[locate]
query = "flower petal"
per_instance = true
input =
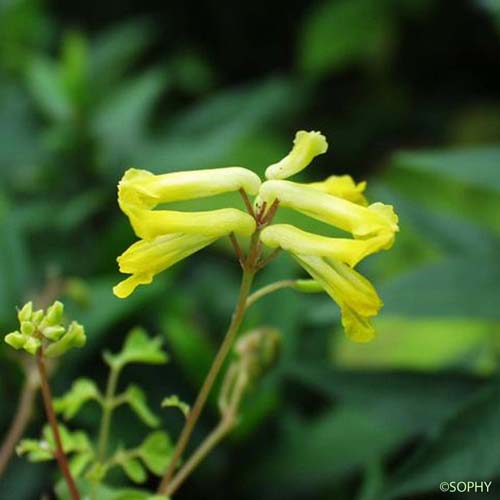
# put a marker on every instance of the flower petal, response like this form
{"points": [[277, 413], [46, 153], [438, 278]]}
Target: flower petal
{"points": [[306, 146], [148, 224], [355, 295], [361, 221], [294, 240], [144, 259], [344, 187], [146, 190]]}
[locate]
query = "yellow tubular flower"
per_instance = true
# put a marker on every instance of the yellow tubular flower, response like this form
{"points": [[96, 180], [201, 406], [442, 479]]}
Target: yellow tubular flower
{"points": [[296, 241], [306, 146], [361, 221], [344, 187], [169, 236], [146, 190], [356, 297], [150, 223], [144, 259]]}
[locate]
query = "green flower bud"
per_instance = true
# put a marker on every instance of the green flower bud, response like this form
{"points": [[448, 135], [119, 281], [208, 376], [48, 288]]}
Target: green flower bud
{"points": [[25, 313], [32, 345], [74, 337], [16, 339], [37, 317], [53, 332], [27, 328], [259, 350], [54, 313]]}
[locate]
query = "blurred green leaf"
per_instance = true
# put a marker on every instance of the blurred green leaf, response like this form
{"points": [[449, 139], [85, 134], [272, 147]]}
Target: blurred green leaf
{"points": [[461, 449], [134, 470], [81, 391], [104, 492], [456, 287], [113, 51], [337, 34], [427, 344], [321, 451], [47, 88], [207, 133], [74, 69], [44, 449], [190, 348], [413, 402], [121, 120], [139, 347], [475, 166], [156, 451], [174, 402], [136, 398]]}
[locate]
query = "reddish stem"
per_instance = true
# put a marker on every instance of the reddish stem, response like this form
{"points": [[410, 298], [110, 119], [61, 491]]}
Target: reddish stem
{"points": [[51, 417]]}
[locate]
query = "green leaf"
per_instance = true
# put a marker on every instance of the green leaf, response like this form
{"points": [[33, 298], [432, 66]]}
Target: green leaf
{"points": [[456, 287], [136, 398], [121, 119], [79, 462], [138, 348], [191, 349], [134, 470], [474, 166], [74, 68], [462, 449], [156, 451], [47, 88], [318, 452], [37, 451], [338, 34], [44, 449], [81, 391], [175, 402], [114, 50], [413, 402], [104, 492]]}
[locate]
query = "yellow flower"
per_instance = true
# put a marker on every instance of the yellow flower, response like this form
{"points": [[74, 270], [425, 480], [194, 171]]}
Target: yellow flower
{"points": [[169, 236], [306, 146], [339, 202], [343, 186], [355, 295]]}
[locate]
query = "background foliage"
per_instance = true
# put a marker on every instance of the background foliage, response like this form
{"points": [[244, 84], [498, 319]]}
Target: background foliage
{"points": [[408, 94]]}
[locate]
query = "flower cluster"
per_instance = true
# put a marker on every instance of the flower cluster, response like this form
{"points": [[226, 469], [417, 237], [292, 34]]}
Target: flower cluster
{"points": [[168, 236], [45, 328]]}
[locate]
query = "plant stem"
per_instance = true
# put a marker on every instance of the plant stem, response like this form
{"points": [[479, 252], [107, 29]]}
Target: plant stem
{"points": [[194, 414], [51, 417], [107, 411], [22, 416], [224, 427], [266, 290]]}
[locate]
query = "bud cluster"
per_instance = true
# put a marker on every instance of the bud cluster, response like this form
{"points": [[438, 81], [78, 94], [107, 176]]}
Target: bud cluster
{"points": [[37, 328]]}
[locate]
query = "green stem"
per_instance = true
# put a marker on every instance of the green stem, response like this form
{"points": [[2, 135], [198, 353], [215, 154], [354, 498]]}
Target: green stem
{"points": [[224, 427], [107, 411], [194, 414], [266, 290]]}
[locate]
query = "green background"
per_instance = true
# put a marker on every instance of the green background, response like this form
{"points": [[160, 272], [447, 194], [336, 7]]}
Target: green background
{"points": [[408, 94]]}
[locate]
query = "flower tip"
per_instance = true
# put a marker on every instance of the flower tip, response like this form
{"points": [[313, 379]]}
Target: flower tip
{"points": [[315, 141], [388, 213], [359, 329], [306, 146]]}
